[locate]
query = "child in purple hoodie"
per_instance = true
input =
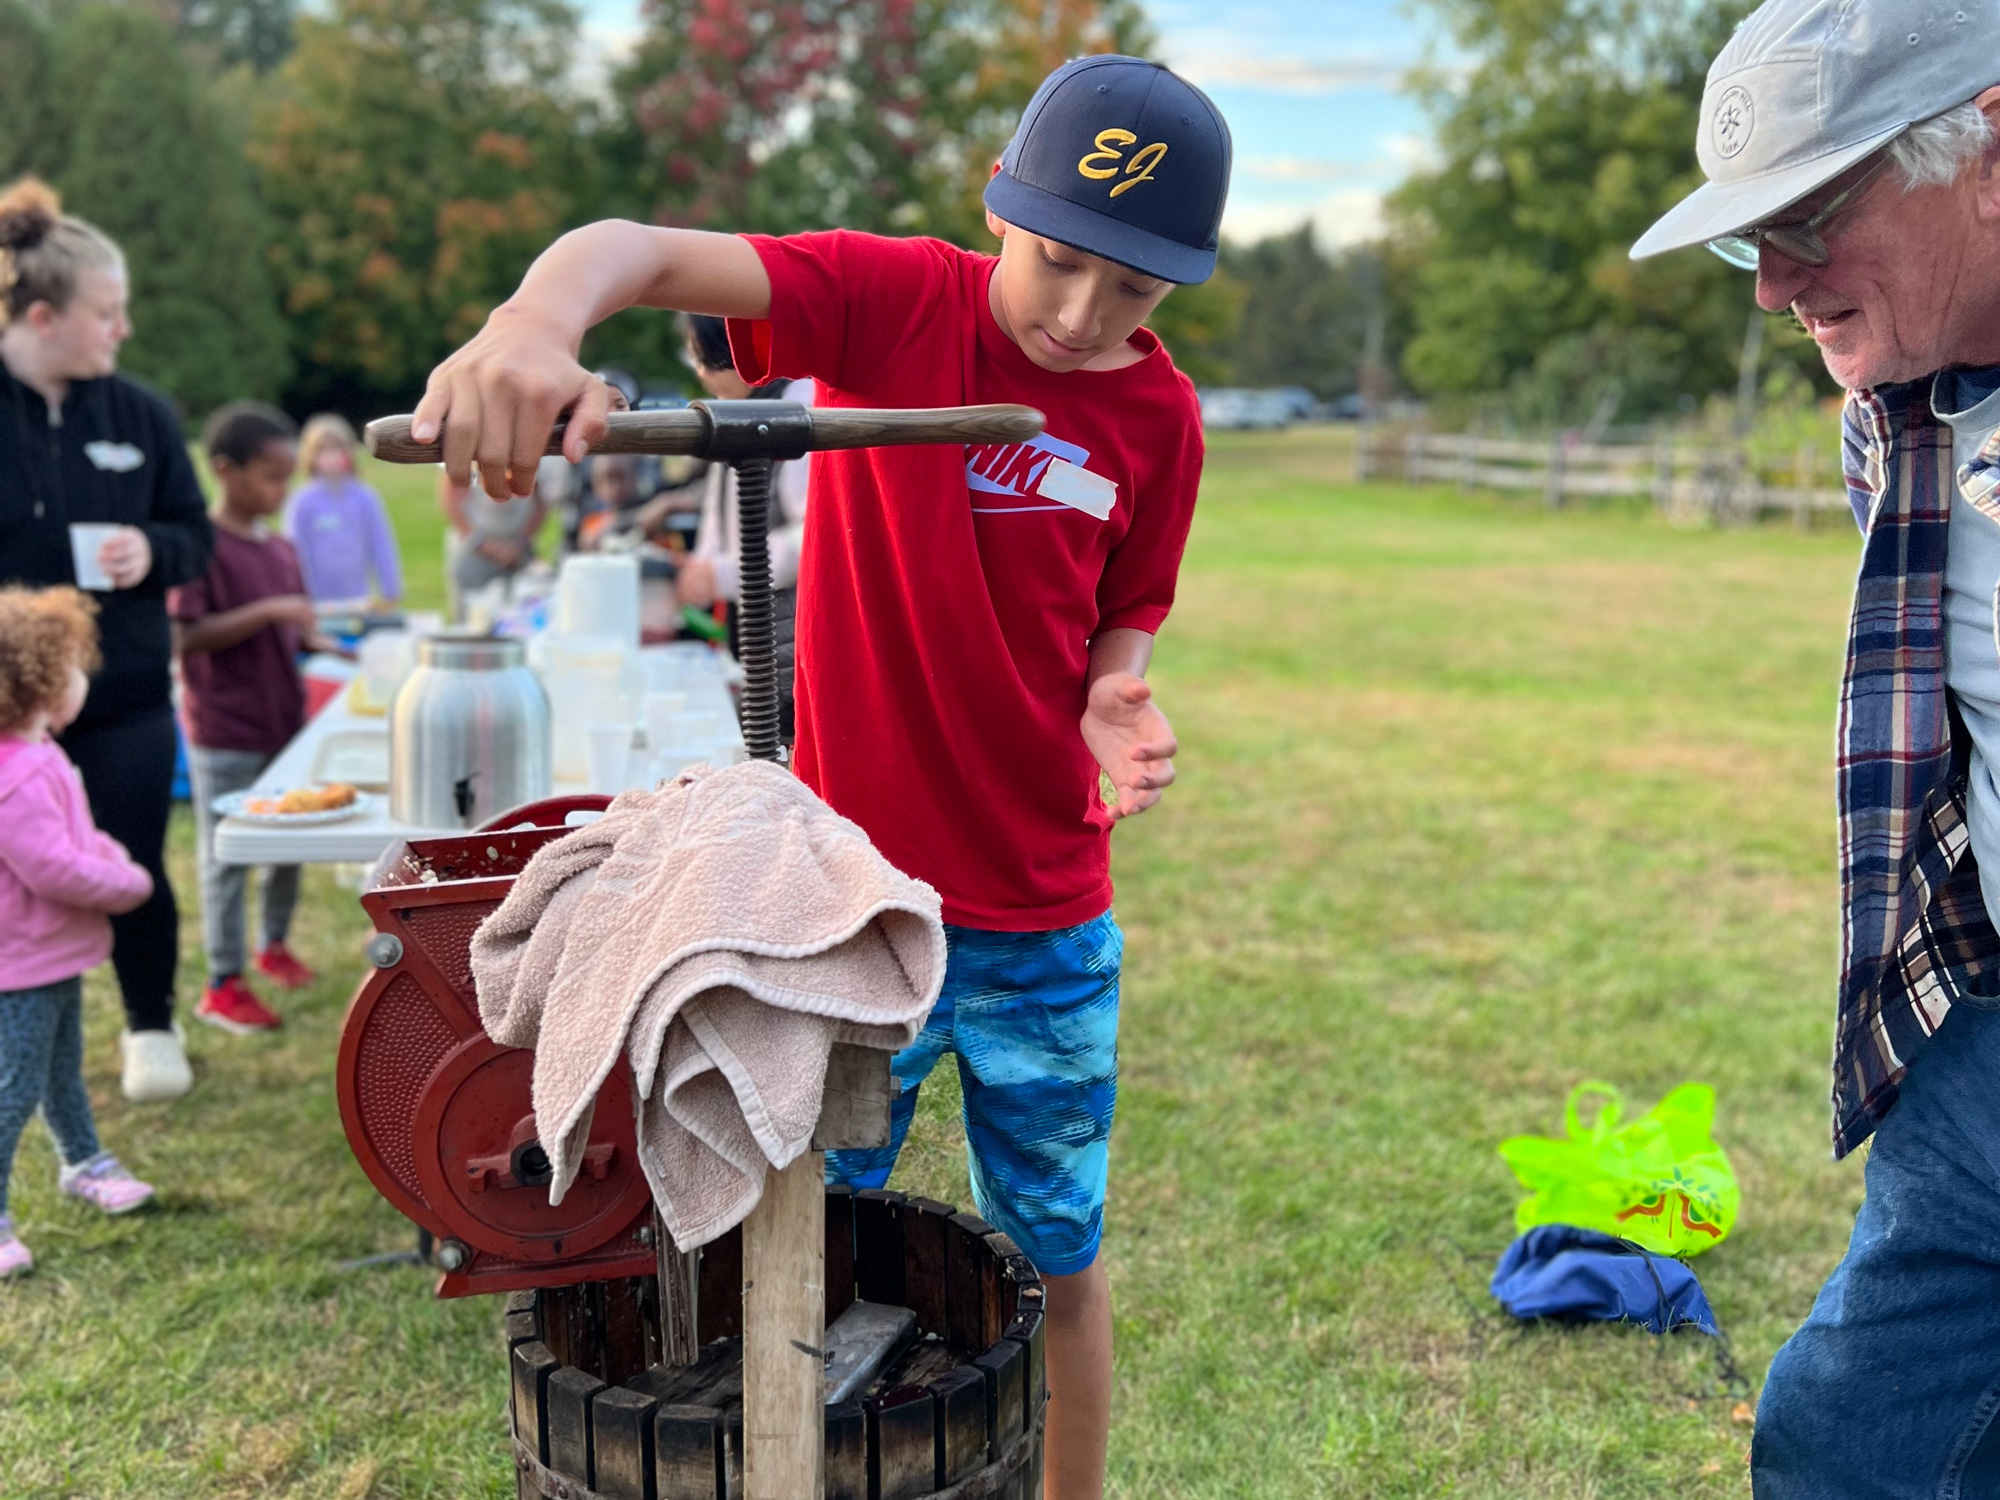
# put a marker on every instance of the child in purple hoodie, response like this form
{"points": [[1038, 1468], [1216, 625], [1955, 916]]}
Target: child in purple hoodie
{"points": [[59, 879]]}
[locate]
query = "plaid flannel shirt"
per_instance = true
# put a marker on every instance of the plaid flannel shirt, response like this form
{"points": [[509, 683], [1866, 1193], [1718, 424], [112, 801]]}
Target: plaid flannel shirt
{"points": [[1915, 936]]}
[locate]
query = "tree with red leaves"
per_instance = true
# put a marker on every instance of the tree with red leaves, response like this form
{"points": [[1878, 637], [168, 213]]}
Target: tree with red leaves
{"points": [[887, 115]]}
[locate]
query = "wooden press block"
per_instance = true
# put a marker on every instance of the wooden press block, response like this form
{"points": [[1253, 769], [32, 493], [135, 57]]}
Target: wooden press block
{"points": [[926, 1227], [521, 1302], [1004, 1368], [719, 1295], [621, 1444], [627, 1303], [902, 1444], [1026, 1330], [570, 1395], [687, 1453], [878, 1246], [846, 1452], [972, 1285], [854, 1111], [573, 1325], [532, 1364], [839, 1269], [959, 1414]]}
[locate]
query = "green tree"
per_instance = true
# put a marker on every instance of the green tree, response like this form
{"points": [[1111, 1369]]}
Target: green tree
{"points": [[416, 155], [250, 33], [25, 123], [1572, 130], [117, 119], [1305, 320]]}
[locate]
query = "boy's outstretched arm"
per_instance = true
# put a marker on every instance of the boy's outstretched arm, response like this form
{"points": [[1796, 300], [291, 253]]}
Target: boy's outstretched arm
{"points": [[1122, 725], [496, 399]]}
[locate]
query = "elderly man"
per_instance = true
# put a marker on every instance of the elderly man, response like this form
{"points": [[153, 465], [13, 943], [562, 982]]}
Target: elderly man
{"points": [[1851, 152]]}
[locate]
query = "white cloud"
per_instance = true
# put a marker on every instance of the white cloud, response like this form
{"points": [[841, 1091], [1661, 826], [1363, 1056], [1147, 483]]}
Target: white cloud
{"points": [[1342, 218]]}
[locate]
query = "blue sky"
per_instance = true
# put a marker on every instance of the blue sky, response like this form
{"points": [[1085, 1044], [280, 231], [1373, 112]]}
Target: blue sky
{"points": [[1310, 89]]}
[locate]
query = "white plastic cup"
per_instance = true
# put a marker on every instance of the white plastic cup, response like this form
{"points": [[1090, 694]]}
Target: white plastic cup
{"points": [[608, 751], [663, 711], [86, 540]]}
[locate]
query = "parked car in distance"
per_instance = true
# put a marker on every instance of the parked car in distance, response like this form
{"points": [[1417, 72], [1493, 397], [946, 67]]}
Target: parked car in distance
{"points": [[1229, 407]]}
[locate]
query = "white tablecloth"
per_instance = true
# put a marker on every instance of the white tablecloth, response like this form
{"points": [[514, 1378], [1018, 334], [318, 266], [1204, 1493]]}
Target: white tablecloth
{"points": [[366, 837]]}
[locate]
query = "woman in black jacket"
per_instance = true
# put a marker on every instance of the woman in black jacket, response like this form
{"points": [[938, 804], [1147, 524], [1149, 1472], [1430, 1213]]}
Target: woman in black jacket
{"points": [[80, 444]]}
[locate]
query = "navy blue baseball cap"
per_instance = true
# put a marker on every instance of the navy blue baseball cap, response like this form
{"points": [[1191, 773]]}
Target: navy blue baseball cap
{"points": [[1119, 157]]}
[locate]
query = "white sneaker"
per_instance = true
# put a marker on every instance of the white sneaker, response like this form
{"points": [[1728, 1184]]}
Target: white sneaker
{"points": [[156, 1067]]}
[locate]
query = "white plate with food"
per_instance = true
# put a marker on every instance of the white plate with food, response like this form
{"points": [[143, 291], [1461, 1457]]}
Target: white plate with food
{"points": [[300, 807]]}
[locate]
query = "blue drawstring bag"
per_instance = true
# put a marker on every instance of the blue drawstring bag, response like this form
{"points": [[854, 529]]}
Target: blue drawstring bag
{"points": [[1560, 1271]]}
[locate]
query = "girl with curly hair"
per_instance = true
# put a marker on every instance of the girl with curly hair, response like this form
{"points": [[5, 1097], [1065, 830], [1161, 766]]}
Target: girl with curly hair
{"points": [[60, 879]]}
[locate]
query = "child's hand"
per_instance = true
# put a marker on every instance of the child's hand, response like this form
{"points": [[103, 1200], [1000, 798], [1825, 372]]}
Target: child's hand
{"points": [[291, 609], [1131, 739], [496, 399]]}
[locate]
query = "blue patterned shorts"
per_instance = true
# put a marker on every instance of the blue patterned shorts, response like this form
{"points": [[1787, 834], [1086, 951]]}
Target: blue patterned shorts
{"points": [[1033, 1020]]}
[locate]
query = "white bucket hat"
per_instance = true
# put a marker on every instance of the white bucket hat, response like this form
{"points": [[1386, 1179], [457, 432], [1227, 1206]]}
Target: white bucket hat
{"points": [[1807, 88]]}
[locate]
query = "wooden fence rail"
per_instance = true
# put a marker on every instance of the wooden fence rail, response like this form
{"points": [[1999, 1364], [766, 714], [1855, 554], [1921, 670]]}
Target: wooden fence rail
{"points": [[1681, 477]]}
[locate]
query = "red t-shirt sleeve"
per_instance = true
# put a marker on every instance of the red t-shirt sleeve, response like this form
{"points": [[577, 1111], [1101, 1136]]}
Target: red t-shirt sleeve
{"points": [[842, 305], [1137, 587]]}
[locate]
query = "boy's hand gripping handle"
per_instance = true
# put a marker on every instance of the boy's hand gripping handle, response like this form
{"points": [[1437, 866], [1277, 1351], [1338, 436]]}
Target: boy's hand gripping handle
{"points": [[692, 430]]}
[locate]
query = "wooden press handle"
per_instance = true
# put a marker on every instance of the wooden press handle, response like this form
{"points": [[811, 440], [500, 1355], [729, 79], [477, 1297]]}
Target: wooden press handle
{"points": [[683, 431]]}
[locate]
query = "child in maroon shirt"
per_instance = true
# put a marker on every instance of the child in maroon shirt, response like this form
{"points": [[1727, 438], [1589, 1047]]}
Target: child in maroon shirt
{"points": [[974, 625], [239, 629]]}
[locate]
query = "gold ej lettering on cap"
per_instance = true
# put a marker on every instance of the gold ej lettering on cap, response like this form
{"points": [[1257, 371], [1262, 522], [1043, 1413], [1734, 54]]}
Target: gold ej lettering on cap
{"points": [[1104, 161]]}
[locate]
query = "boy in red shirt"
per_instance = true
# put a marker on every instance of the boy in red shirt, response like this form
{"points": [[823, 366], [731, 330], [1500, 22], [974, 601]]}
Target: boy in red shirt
{"points": [[974, 624]]}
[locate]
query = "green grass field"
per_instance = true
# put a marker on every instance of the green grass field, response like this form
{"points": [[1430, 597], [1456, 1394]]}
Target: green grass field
{"points": [[1476, 801]]}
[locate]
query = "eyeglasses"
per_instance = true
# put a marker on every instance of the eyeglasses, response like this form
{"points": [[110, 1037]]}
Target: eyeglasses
{"points": [[1802, 240]]}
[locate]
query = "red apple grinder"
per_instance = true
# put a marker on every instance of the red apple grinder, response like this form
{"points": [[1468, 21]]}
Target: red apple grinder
{"points": [[440, 1116]]}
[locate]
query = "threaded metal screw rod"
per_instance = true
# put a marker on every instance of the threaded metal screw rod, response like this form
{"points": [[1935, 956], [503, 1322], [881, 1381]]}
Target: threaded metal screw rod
{"points": [[756, 631]]}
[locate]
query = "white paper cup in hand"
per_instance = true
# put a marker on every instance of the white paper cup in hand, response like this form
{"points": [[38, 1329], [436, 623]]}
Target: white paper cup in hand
{"points": [[86, 540], [662, 710], [608, 748]]}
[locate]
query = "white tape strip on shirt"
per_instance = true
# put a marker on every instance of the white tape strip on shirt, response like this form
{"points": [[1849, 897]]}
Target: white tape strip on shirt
{"points": [[1080, 489]]}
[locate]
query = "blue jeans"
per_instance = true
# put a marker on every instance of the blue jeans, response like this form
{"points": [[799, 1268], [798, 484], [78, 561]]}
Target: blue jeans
{"points": [[1033, 1020], [41, 1064], [1890, 1387]]}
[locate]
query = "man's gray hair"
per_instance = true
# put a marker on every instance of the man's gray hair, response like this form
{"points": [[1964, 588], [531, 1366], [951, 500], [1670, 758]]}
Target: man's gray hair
{"points": [[1932, 153]]}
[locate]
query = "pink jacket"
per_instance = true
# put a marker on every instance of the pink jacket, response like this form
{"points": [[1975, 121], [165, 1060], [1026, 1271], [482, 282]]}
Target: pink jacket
{"points": [[58, 874]]}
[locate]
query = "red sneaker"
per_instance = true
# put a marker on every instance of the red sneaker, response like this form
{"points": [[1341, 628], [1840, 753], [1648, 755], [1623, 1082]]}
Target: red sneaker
{"points": [[233, 1007], [278, 964]]}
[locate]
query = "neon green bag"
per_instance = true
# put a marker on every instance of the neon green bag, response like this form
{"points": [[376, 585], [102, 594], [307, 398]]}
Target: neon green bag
{"points": [[1661, 1181]]}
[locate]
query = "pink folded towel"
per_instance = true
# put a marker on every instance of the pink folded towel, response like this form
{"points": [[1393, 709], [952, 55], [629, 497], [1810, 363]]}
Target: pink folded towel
{"points": [[723, 933]]}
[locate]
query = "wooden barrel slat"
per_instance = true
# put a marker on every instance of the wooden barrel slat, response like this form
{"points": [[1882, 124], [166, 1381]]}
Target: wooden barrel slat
{"points": [[959, 1436], [533, 1364], [839, 1251], [719, 1300], [1004, 1370], [1026, 1331], [846, 1452], [687, 1453], [902, 1444], [621, 1444], [570, 1393], [878, 1247], [972, 1280], [926, 1241]]}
